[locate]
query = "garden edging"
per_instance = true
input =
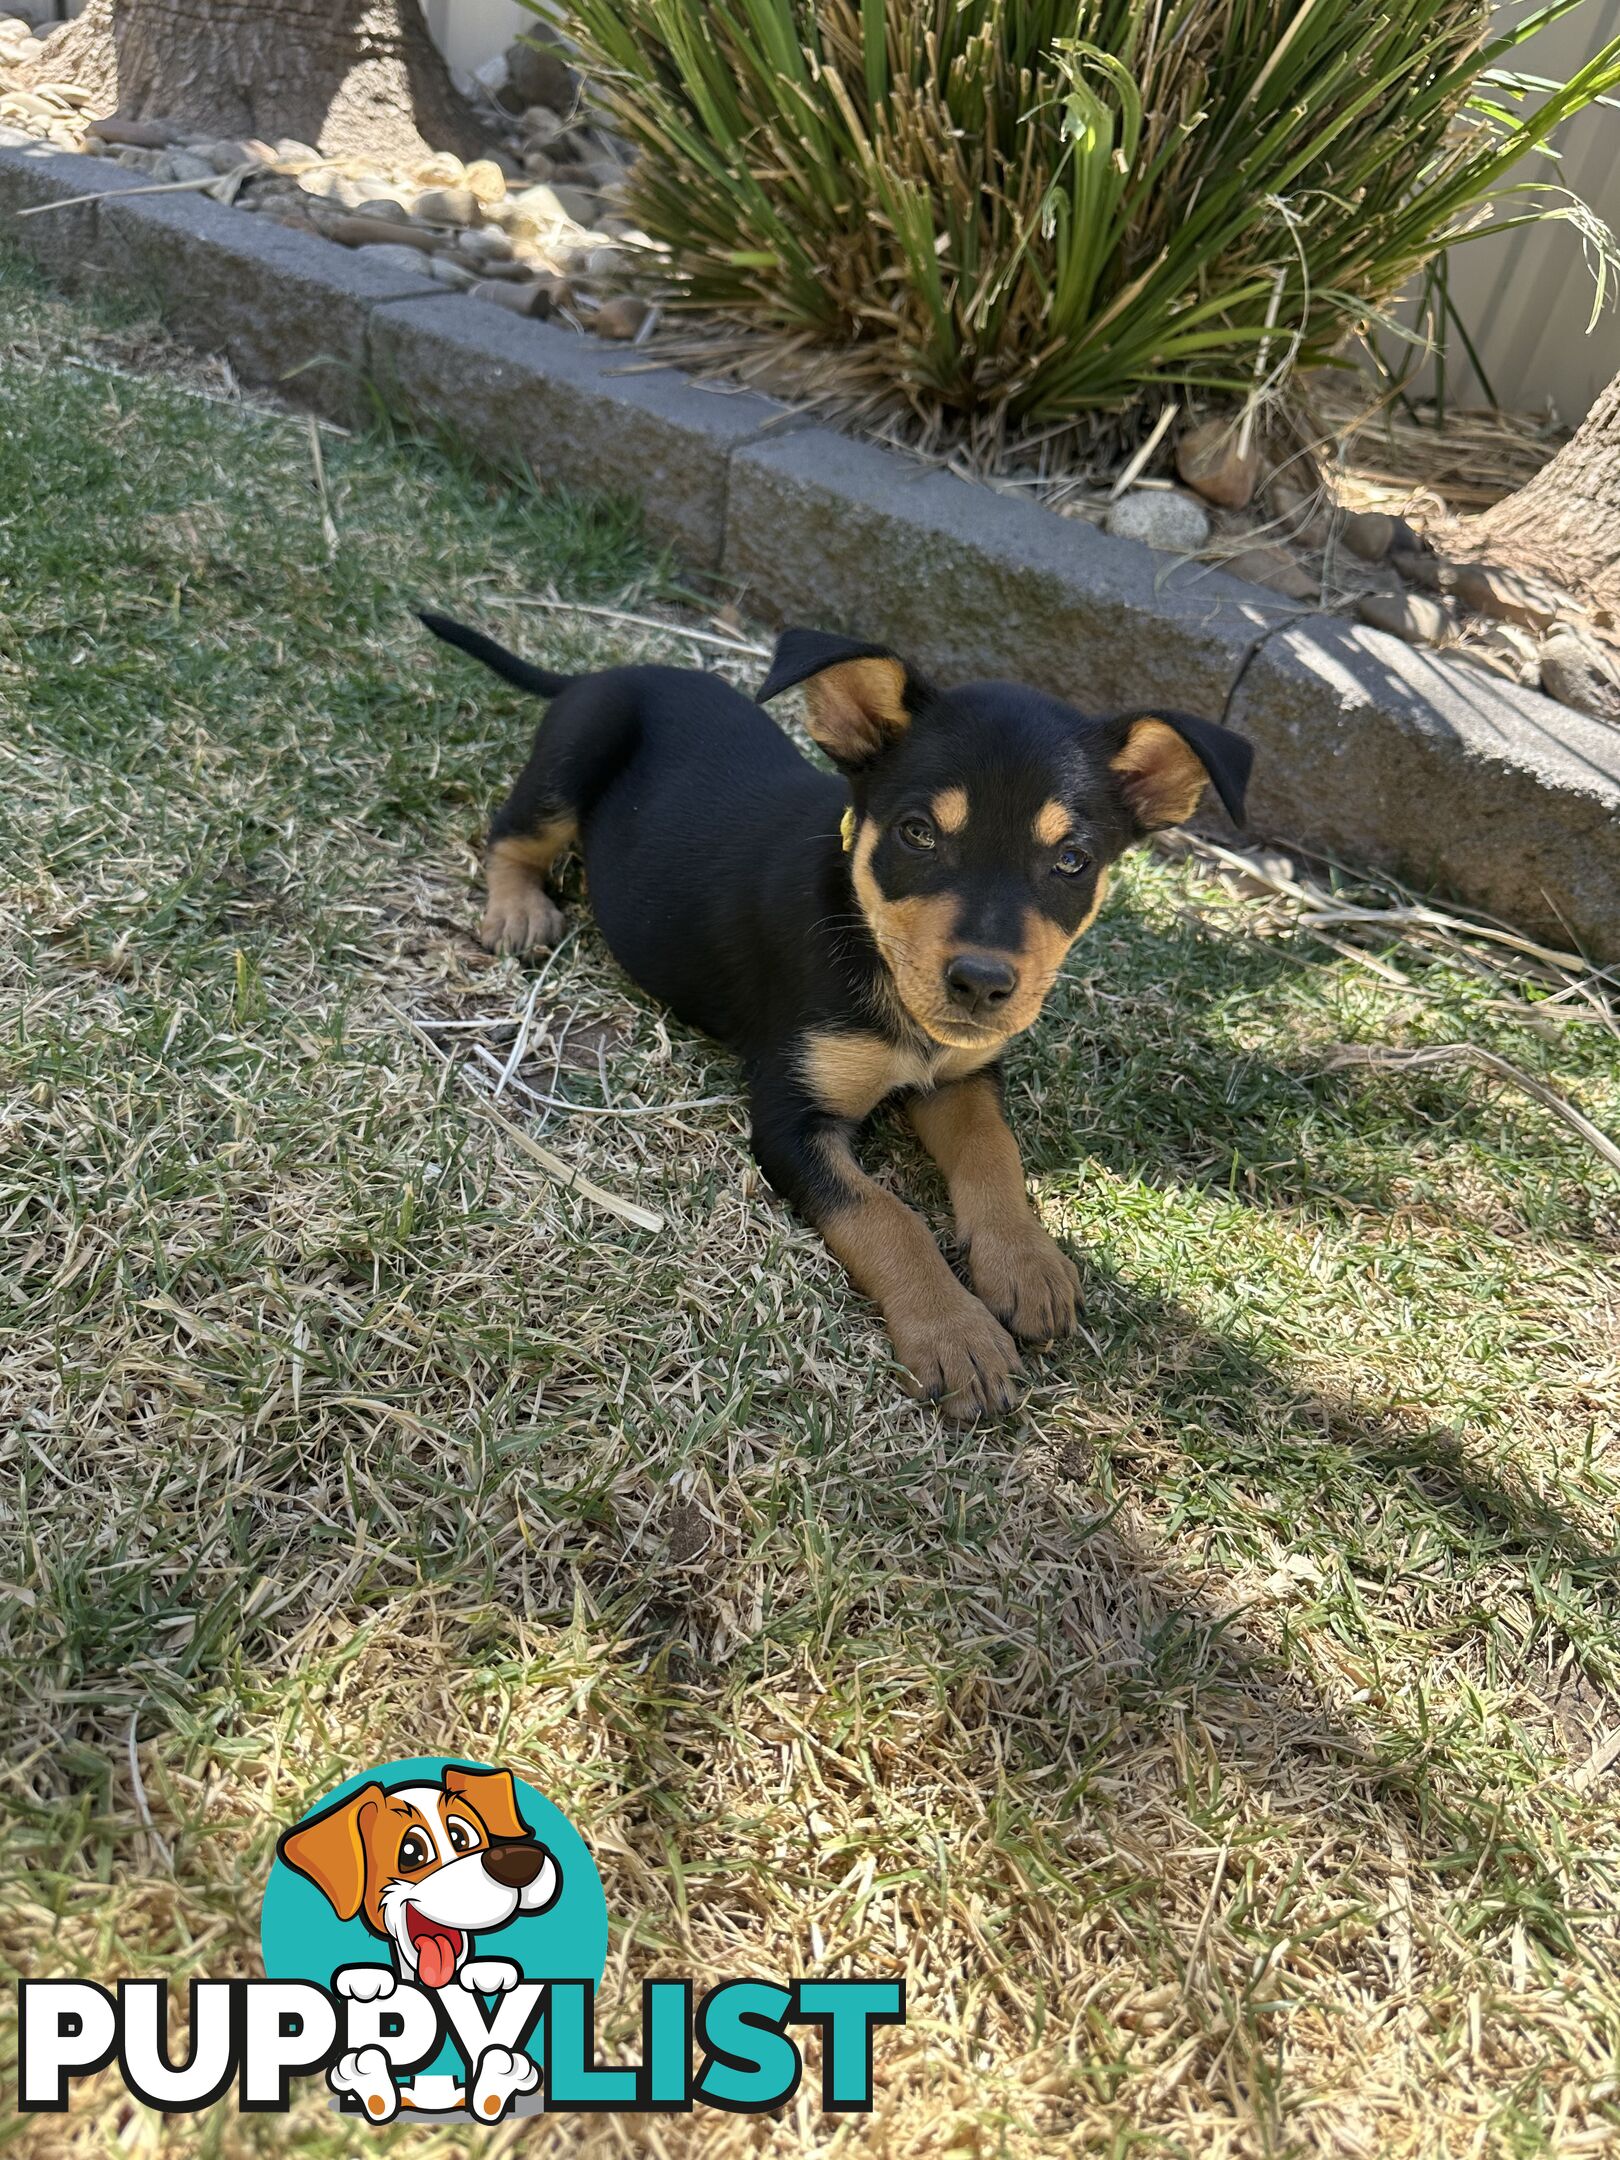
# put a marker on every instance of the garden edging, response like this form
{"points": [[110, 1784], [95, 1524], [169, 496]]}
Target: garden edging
{"points": [[1366, 747]]}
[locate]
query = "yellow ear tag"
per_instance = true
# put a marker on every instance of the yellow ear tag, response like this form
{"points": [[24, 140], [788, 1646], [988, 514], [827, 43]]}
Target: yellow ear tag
{"points": [[846, 828]]}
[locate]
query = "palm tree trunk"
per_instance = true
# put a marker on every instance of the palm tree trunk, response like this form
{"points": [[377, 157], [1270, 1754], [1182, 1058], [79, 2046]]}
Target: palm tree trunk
{"points": [[1566, 521], [354, 78]]}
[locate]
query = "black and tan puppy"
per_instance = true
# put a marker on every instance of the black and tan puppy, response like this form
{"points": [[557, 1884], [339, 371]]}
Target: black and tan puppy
{"points": [[879, 935]]}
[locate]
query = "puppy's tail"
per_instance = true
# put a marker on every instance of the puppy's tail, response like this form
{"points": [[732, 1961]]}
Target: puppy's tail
{"points": [[540, 682]]}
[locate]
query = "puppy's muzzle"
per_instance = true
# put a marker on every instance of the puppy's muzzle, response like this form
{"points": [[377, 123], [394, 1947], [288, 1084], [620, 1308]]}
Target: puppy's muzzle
{"points": [[515, 1864], [980, 983]]}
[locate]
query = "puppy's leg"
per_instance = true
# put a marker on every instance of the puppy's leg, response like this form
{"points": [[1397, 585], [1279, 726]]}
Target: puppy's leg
{"points": [[583, 742], [531, 829], [1026, 1280], [537, 822], [521, 916], [956, 1353]]}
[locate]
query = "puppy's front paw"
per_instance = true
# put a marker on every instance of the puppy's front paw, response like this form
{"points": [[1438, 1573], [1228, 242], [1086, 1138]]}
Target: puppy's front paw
{"points": [[1027, 1280], [526, 922], [961, 1358]]}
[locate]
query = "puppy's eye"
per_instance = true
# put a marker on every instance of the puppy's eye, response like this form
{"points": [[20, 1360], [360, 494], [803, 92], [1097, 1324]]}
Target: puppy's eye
{"points": [[461, 1838], [917, 833], [1071, 862], [414, 1850]]}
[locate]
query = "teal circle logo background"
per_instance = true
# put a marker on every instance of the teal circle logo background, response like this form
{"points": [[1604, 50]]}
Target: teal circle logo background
{"points": [[302, 1938]]}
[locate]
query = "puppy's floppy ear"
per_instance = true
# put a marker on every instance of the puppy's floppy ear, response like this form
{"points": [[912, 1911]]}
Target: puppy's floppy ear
{"points": [[493, 1797], [860, 697], [1164, 760], [330, 1849]]}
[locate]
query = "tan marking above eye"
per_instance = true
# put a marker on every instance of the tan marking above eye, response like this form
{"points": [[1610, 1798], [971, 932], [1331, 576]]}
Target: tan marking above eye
{"points": [[1051, 824], [949, 809]]}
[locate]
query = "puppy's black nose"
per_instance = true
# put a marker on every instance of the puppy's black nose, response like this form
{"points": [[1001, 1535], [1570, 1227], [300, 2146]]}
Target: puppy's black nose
{"points": [[515, 1866], [979, 982]]}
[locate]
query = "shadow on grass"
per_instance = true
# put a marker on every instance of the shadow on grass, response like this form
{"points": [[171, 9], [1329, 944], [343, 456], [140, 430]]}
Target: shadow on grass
{"points": [[1076, 1643], [1116, 1709], [1237, 1417], [1140, 1067]]}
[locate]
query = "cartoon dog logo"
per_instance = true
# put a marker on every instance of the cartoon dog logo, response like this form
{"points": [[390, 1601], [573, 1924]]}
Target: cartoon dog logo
{"points": [[428, 1868]]}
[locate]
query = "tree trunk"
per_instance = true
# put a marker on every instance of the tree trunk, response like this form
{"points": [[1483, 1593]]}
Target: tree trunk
{"points": [[353, 78], [1566, 521]]}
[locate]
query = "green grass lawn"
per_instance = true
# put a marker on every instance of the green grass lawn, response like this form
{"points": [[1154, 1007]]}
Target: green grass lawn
{"points": [[1215, 1745]]}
